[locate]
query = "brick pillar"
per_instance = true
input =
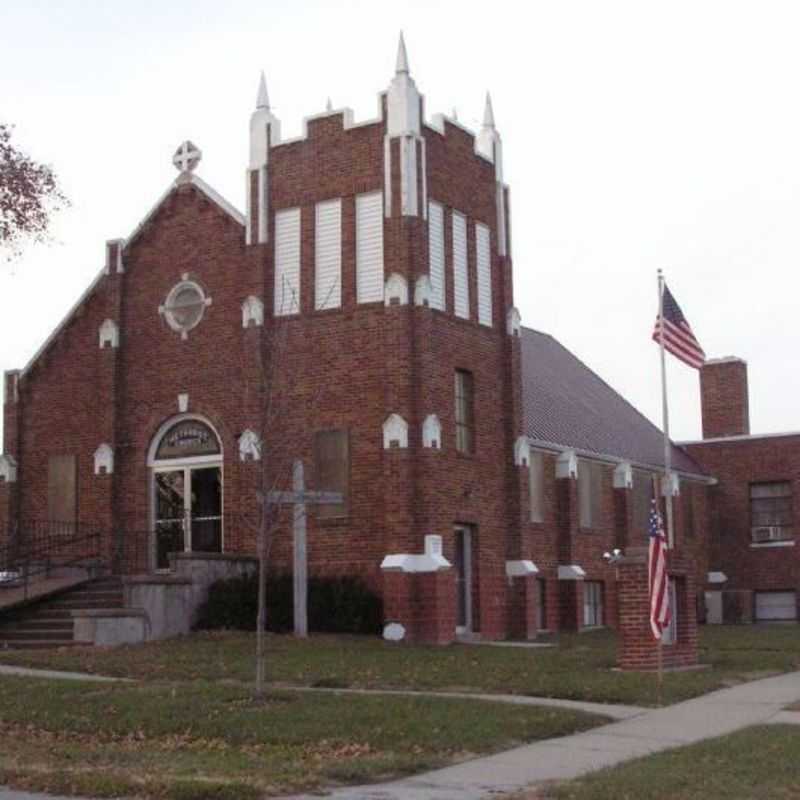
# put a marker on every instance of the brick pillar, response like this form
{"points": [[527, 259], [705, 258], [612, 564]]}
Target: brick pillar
{"points": [[638, 649], [570, 605], [419, 594], [10, 452]]}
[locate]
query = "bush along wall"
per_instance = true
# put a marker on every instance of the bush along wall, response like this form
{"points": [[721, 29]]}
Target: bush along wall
{"points": [[335, 605]]}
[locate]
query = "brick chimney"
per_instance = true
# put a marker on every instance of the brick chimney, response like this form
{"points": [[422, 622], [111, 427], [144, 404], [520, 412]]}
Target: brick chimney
{"points": [[723, 397]]}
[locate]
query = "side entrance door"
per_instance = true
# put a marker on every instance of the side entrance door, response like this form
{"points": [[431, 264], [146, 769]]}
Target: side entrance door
{"points": [[463, 566]]}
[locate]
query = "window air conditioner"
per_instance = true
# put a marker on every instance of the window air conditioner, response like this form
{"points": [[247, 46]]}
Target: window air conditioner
{"points": [[768, 533]]}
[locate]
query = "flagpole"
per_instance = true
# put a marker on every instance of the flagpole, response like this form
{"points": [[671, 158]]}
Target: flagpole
{"points": [[665, 412]]}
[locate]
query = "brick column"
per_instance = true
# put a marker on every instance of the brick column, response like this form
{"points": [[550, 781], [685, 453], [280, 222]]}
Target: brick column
{"points": [[523, 607], [638, 649], [10, 452]]}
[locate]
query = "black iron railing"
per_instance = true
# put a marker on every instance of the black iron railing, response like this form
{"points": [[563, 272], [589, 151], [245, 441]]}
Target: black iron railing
{"points": [[33, 550]]}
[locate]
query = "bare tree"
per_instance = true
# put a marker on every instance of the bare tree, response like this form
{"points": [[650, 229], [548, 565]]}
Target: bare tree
{"points": [[29, 196]]}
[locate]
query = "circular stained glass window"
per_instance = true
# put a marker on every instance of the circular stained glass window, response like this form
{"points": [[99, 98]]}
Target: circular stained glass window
{"points": [[185, 306]]}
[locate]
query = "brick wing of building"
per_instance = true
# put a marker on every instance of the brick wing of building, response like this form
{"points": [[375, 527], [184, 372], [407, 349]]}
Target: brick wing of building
{"points": [[359, 317]]}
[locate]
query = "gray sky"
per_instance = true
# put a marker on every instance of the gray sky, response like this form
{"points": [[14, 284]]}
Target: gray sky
{"points": [[637, 135]]}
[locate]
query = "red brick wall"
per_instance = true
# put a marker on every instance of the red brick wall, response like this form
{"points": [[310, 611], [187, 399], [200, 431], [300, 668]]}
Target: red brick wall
{"points": [[724, 398], [737, 464], [337, 368]]}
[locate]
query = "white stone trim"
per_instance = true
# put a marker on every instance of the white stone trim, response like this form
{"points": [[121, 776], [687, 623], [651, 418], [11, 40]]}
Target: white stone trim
{"points": [[716, 577], [432, 432], [766, 545], [522, 452], [396, 290], [671, 484], [571, 572], [183, 402], [623, 475], [431, 561], [117, 266], [104, 460], [8, 469], [395, 432], [108, 334], [252, 312], [513, 321], [567, 465], [250, 446], [423, 292], [521, 569]]}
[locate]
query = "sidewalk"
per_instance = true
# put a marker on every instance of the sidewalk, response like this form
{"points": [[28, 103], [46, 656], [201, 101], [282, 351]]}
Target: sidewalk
{"points": [[706, 717]]}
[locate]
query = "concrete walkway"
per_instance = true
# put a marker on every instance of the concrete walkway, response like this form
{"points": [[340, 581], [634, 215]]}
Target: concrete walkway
{"points": [[27, 672], [706, 717]]}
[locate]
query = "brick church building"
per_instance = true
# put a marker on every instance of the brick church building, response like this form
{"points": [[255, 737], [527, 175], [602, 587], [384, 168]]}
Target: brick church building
{"points": [[359, 316]]}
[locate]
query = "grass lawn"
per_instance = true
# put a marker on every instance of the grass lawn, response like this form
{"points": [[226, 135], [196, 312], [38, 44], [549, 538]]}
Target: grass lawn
{"points": [[753, 764], [579, 667], [196, 740]]}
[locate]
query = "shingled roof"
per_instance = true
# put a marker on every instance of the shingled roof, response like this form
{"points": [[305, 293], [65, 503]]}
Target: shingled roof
{"points": [[567, 405]]}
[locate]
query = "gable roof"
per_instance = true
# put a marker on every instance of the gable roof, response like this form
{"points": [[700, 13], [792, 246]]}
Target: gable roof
{"points": [[567, 406]]}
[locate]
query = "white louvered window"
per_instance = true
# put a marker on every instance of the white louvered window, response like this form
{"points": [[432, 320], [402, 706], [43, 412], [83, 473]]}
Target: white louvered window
{"points": [[369, 247], [328, 255], [460, 278], [484, 262], [436, 254], [287, 262]]}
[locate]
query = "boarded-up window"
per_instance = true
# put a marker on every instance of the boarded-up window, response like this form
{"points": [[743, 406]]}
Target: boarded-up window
{"points": [[328, 255], [332, 470], [483, 257], [465, 412], [287, 262], [536, 483], [62, 489], [369, 247], [642, 499], [436, 254], [590, 487], [460, 277]]}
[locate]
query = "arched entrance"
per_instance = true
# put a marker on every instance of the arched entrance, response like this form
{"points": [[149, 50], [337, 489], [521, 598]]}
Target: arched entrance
{"points": [[185, 461]]}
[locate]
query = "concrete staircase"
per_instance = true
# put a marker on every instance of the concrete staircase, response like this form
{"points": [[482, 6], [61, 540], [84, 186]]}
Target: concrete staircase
{"points": [[48, 622]]}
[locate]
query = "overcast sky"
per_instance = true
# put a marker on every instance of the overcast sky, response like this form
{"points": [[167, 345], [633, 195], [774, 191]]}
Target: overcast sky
{"points": [[637, 135]]}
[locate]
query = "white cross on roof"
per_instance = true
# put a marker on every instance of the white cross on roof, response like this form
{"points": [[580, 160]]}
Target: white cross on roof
{"points": [[187, 157]]}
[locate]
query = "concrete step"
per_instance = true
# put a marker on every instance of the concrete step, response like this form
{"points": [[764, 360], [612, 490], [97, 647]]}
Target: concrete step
{"points": [[42, 636], [75, 603], [31, 644], [34, 624]]}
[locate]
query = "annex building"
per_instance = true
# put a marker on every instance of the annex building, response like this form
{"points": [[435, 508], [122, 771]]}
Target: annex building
{"points": [[359, 316]]}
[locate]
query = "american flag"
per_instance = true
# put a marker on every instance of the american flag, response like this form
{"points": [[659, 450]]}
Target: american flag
{"points": [[678, 336], [660, 612]]}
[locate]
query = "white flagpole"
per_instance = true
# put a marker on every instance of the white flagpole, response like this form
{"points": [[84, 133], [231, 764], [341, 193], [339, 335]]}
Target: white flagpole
{"points": [[665, 412]]}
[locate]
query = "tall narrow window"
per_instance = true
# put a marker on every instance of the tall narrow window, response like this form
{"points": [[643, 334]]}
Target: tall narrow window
{"points": [[465, 412], [642, 498], [536, 481], [62, 492], [328, 255], [460, 276], [590, 485], [369, 247], [287, 262], [436, 254], [592, 603], [484, 262], [332, 470]]}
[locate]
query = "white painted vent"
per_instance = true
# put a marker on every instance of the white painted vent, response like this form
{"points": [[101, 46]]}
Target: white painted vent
{"points": [[436, 255], [287, 262], [328, 250], [484, 262], [369, 248], [460, 277]]}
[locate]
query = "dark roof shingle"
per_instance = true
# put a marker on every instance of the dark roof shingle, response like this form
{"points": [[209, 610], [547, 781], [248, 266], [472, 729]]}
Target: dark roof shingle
{"points": [[566, 404]]}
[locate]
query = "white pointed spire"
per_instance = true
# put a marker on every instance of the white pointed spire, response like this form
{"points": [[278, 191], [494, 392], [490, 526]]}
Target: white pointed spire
{"points": [[329, 105], [488, 113], [263, 96], [402, 57]]}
